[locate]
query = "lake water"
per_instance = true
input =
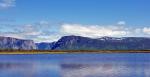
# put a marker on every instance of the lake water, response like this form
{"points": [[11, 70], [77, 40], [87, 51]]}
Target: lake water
{"points": [[76, 65]]}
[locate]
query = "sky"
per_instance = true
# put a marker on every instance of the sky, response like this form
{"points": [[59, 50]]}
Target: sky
{"points": [[49, 20]]}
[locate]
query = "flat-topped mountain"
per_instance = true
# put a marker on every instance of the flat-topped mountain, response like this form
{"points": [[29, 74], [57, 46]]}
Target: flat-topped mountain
{"points": [[13, 43], [103, 43], [79, 43]]}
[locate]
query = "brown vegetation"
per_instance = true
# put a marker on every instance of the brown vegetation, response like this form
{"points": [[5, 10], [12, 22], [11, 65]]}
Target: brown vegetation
{"points": [[69, 51]]}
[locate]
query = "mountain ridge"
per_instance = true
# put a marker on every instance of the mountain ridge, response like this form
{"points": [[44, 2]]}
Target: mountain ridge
{"points": [[15, 43], [108, 43], [78, 43]]}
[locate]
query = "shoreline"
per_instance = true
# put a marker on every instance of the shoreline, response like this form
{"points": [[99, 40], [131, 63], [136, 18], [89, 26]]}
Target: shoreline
{"points": [[3, 52]]}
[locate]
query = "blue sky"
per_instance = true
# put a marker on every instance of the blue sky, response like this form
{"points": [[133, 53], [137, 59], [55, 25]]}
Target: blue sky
{"points": [[48, 20]]}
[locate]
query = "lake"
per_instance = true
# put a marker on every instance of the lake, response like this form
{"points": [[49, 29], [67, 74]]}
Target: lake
{"points": [[76, 65]]}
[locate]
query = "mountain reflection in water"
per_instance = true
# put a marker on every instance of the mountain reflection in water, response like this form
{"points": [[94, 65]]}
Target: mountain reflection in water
{"points": [[75, 65], [28, 70], [96, 70], [106, 70]]}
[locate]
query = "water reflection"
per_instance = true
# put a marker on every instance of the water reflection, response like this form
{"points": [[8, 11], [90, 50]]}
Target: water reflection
{"points": [[28, 70], [73, 65], [112, 69], [97, 70], [4, 66]]}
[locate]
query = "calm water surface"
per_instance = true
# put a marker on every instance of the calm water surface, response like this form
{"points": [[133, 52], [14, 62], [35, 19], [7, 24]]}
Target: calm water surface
{"points": [[76, 65]]}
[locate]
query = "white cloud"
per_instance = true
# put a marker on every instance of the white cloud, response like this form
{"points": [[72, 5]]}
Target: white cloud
{"points": [[29, 30], [93, 30], [121, 23], [39, 32], [12, 34], [22, 32], [138, 30], [7, 3], [43, 31], [47, 38], [146, 30]]}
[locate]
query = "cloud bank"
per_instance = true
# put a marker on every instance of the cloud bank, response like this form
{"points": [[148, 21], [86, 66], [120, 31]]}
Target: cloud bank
{"points": [[93, 31], [146, 30], [44, 31]]}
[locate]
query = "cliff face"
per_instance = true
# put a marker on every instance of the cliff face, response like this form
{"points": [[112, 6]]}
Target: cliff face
{"points": [[79, 43], [13, 43], [104, 43]]}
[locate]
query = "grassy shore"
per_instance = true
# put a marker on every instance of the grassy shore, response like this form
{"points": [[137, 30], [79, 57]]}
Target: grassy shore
{"points": [[32, 52], [69, 51]]}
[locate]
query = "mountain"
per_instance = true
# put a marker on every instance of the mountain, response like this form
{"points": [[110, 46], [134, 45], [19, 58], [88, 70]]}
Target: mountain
{"points": [[13, 43], [103, 43], [44, 46], [79, 43]]}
